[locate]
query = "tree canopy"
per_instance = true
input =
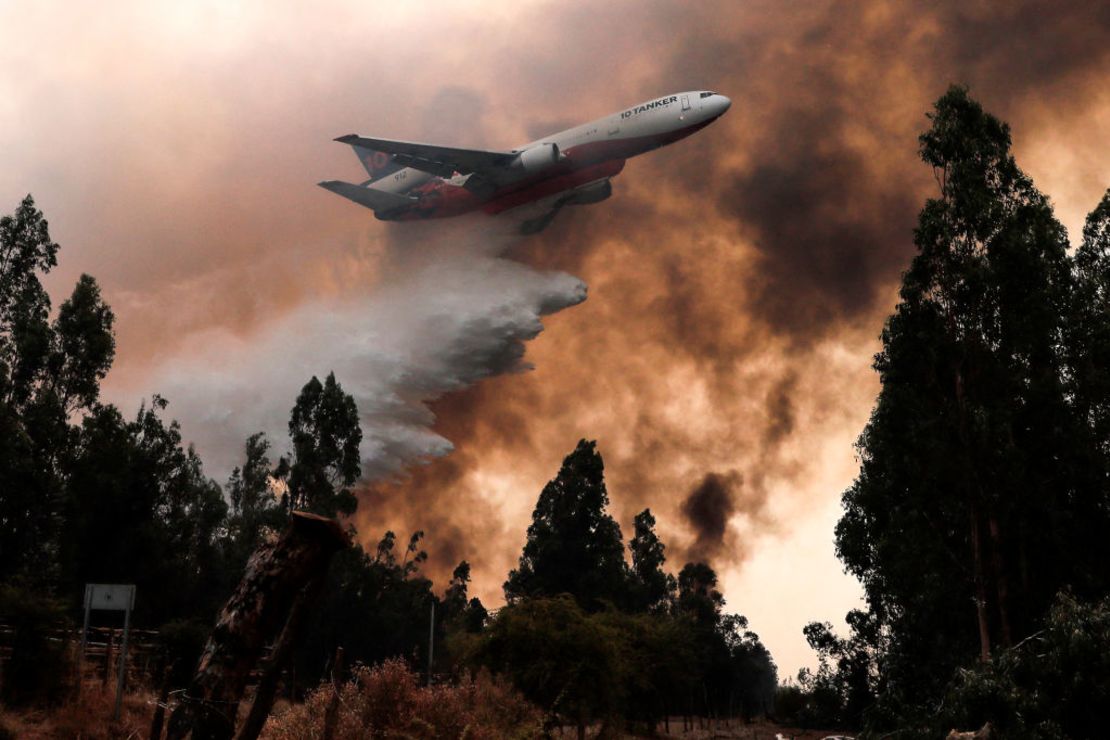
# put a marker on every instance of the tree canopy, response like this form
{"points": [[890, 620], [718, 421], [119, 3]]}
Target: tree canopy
{"points": [[574, 546], [982, 489]]}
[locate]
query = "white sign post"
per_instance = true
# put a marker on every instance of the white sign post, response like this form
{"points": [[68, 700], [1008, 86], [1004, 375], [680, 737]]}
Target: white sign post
{"points": [[111, 597]]}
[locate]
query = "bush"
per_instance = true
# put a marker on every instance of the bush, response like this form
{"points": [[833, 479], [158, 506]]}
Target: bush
{"points": [[1055, 684], [571, 663], [386, 701], [40, 670]]}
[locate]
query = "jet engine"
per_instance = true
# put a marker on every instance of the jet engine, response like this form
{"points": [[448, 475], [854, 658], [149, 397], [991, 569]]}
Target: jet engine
{"points": [[540, 157], [593, 192]]}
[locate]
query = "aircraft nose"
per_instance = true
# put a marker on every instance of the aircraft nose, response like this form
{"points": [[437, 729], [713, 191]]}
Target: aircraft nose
{"points": [[723, 104]]}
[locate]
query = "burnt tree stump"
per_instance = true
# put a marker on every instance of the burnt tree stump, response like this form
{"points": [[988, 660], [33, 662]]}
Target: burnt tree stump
{"points": [[276, 573]]}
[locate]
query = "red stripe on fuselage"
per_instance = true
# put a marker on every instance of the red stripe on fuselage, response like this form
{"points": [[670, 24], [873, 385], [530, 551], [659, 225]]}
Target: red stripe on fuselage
{"points": [[584, 163], [552, 186]]}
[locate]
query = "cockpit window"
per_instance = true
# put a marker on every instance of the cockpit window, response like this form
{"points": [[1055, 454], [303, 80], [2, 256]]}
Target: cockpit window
{"points": [[707, 94]]}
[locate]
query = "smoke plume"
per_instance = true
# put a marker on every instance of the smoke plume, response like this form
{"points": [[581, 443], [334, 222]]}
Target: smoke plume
{"points": [[708, 508], [445, 311]]}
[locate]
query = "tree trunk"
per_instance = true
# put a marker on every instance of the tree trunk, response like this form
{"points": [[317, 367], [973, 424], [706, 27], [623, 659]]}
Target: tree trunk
{"points": [[1000, 582], [276, 573], [980, 588], [976, 525]]}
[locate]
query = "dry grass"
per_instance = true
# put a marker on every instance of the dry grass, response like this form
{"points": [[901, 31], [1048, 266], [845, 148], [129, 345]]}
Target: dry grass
{"points": [[88, 717], [387, 702]]}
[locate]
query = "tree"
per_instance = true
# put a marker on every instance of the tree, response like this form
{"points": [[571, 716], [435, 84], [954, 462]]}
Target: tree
{"points": [[454, 597], [698, 597], [254, 507], [569, 663], [844, 685], [1055, 684], [1089, 340], [573, 545], [652, 586], [84, 346], [975, 441], [325, 433], [374, 606], [139, 510], [25, 251], [48, 373]]}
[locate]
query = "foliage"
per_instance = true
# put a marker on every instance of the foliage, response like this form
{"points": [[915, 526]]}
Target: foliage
{"points": [[375, 606], [39, 668], [560, 657], [325, 433], [845, 683], [140, 510], [183, 642], [983, 481], [1054, 684], [1088, 340], [457, 611], [651, 586], [615, 666], [387, 702], [48, 372], [574, 546], [255, 511], [577, 613], [88, 716]]}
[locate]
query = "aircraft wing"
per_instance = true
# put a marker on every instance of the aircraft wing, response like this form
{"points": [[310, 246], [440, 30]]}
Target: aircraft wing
{"points": [[443, 161], [377, 200]]}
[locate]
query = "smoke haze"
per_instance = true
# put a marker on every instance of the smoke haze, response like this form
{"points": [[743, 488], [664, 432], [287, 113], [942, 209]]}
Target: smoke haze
{"points": [[738, 280]]}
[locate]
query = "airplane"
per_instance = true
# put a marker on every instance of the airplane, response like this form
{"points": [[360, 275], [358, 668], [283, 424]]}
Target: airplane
{"points": [[410, 181]]}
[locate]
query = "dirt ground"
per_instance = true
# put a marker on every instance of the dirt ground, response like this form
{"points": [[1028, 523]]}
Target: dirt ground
{"points": [[90, 718], [727, 730]]}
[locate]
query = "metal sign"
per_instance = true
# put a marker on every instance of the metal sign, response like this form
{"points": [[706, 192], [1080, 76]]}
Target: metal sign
{"points": [[110, 596]]}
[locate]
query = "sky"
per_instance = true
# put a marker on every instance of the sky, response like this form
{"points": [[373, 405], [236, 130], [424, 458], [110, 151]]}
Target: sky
{"points": [[711, 325]]}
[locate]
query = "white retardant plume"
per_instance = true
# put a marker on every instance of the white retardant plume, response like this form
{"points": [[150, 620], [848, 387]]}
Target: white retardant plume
{"points": [[445, 311]]}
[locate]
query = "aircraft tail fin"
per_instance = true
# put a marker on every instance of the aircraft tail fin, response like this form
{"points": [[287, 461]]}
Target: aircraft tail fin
{"points": [[381, 202], [378, 164]]}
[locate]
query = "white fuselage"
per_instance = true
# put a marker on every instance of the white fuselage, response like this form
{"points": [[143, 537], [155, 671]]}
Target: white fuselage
{"points": [[634, 130]]}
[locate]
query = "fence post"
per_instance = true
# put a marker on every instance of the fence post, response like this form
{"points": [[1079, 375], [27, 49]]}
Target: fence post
{"points": [[121, 679], [108, 656]]}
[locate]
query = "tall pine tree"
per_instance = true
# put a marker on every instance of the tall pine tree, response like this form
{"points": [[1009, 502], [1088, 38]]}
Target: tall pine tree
{"points": [[574, 546]]}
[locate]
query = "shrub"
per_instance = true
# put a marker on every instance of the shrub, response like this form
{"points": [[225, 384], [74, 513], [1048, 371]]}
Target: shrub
{"points": [[571, 663], [1054, 684], [40, 670], [183, 641], [387, 701]]}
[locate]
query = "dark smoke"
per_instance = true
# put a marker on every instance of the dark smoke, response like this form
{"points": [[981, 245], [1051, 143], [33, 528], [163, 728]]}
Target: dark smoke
{"points": [[785, 224], [707, 509]]}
